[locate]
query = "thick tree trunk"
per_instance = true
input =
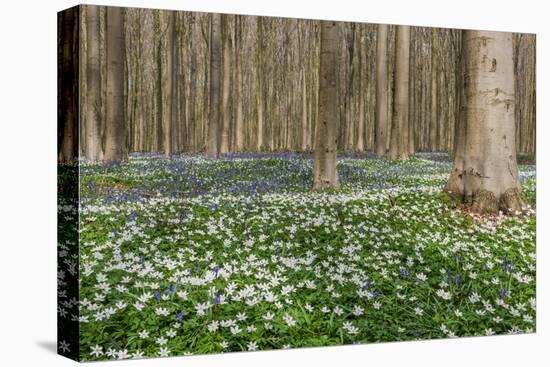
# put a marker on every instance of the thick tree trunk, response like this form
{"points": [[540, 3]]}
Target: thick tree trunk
{"points": [[325, 173], [115, 129], [399, 147], [485, 172], [215, 71], [381, 89]]}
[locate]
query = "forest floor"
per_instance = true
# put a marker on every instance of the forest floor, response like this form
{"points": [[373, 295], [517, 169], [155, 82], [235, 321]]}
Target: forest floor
{"points": [[189, 255]]}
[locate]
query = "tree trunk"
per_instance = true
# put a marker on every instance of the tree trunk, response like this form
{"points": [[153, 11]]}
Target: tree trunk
{"points": [[115, 130], [485, 172], [362, 93], [226, 84], [433, 95], [381, 89], [215, 71], [68, 85], [239, 93], [259, 84], [399, 147], [412, 97], [325, 173], [170, 110]]}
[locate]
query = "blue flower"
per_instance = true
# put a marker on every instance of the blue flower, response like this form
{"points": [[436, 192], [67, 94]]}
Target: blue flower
{"points": [[171, 289], [367, 285]]}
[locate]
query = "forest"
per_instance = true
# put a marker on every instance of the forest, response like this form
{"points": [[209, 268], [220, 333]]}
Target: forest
{"points": [[251, 182]]}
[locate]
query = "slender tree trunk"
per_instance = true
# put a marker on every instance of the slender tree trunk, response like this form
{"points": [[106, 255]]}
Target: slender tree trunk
{"points": [[68, 85], [239, 138], [433, 94], [215, 71], [259, 84], [170, 110], [193, 92], [226, 84], [399, 147], [325, 173], [381, 89], [362, 92], [485, 172], [158, 105], [115, 130], [412, 97], [94, 87]]}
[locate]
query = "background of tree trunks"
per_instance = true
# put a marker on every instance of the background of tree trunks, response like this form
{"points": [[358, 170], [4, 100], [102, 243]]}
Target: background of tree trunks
{"points": [[268, 87]]}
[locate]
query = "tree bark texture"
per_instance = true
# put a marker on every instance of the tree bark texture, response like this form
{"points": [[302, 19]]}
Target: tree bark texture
{"points": [[325, 173], [485, 172]]}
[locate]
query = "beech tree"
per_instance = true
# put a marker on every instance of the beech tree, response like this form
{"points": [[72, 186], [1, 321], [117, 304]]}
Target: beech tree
{"points": [[170, 111], [93, 147], [226, 84], [215, 76], [259, 67], [68, 85], [239, 136], [325, 173], [485, 172], [433, 95], [115, 125], [399, 142], [381, 89]]}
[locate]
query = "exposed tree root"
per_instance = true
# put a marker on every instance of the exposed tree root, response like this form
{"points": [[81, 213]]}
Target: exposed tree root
{"points": [[485, 203]]}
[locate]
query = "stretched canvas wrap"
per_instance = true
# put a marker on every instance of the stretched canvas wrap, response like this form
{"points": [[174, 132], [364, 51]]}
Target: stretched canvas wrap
{"points": [[239, 183]]}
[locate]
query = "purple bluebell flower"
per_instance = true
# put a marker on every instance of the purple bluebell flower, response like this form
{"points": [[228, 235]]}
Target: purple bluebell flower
{"points": [[171, 289], [157, 295], [180, 316], [367, 285]]}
